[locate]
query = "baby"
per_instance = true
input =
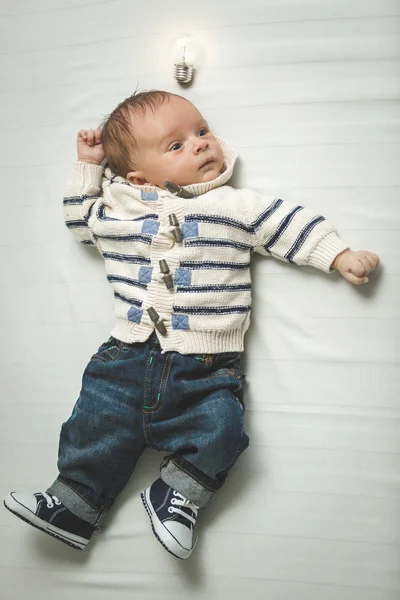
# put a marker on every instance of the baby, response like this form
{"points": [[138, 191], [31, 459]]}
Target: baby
{"points": [[176, 241]]}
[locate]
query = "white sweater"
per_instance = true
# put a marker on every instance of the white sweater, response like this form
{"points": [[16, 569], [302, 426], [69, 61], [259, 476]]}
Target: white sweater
{"points": [[207, 308]]}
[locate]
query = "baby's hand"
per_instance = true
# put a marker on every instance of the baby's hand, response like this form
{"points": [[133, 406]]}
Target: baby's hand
{"points": [[89, 146], [355, 266]]}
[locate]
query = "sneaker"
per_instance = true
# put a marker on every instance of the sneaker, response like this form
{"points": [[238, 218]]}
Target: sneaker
{"points": [[172, 517], [50, 515]]}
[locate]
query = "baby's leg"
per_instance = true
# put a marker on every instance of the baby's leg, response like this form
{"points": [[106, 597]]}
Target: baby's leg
{"points": [[99, 446], [198, 416], [201, 423]]}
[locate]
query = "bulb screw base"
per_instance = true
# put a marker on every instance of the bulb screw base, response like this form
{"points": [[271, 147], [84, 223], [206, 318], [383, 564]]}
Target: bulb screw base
{"points": [[183, 73]]}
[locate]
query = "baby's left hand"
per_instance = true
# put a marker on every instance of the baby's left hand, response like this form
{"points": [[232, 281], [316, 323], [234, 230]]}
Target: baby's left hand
{"points": [[355, 266]]}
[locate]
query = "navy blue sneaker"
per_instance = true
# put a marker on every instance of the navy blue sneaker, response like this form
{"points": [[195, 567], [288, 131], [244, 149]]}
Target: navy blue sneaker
{"points": [[172, 517], [50, 515]]}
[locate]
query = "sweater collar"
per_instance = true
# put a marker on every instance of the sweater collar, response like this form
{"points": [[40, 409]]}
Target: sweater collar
{"points": [[192, 190]]}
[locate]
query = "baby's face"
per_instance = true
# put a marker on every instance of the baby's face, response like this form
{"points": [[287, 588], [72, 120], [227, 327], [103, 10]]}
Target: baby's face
{"points": [[174, 144]]}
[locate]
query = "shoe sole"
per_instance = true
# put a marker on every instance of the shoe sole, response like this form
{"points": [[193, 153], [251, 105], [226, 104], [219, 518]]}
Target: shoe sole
{"points": [[23, 513], [161, 533]]}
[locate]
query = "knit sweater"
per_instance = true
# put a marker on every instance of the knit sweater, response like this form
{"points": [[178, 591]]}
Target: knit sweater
{"points": [[199, 299]]}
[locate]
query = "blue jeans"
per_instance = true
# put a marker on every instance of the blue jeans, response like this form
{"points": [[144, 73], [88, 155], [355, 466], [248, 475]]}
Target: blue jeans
{"points": [[134, 396]]}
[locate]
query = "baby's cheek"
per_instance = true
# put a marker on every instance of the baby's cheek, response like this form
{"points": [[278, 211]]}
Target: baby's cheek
{"points": [[210, 175], [220, 159]]}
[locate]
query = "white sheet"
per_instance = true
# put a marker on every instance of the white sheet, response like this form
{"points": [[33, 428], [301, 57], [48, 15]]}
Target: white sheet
{"points": [[307, 91]]}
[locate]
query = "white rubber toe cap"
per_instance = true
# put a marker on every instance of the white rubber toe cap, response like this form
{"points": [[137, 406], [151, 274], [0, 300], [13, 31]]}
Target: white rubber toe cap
{"points": [[29, 501], [181, 533]]}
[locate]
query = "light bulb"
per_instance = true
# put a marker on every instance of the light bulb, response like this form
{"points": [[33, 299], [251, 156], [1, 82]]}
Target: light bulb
{"points": [[184, 54]]}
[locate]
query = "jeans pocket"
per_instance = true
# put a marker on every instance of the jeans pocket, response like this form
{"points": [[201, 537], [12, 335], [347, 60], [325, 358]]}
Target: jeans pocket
{"points": [[227, 365], [108, 351], [241, 377], [217, 360], [228, 360], [203, 359]]}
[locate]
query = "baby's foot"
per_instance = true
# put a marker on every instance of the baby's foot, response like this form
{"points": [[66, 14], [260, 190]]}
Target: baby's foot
{"points": [[47, 513], [172, 517]]}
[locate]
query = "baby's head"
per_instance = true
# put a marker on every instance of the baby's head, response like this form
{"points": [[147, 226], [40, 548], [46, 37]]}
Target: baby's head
{"points": [[154, 137]]}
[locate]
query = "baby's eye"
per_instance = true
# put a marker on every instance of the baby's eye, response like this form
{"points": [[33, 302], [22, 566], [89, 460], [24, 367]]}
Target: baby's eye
{"points": [[176, 146], [203, 131]]}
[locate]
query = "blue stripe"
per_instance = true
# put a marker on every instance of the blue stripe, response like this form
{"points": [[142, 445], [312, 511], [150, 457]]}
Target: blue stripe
{"points": [[302, 237], [87, 242], [72, 200], [79, 199], [228, 287], [72, 224], [145, 239], [130, 301], [283, 225], [112, 180], [215, 265], [149, 216], [219, 221], [191, 310], [128, 258], [127, 281], [101, 213], [87, 216], [217, 242], [267, 213], [249, 228], [90, 196]]}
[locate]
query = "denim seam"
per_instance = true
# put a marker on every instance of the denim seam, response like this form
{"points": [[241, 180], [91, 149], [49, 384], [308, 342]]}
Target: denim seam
{"points": [[163, 383], [193, 477], [145, 381], [207, 360], [217, 374], [170, 358], [160, 391], [150, 440], [146, 421], [79, 494], [238, 445], [99, 357], [120, 348], [106, 352], [109, 495], [100, 511]]}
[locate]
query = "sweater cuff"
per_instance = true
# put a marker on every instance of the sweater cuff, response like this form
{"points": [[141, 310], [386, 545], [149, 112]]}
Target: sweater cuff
{"points": [[86, 177], [326, 251]]}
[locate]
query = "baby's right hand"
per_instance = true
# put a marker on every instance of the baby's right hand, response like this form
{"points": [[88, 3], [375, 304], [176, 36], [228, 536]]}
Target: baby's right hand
{"points": [[89, 146]]}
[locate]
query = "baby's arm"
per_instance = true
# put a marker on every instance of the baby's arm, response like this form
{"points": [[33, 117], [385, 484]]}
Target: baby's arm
{"points": [[84, 186], [296, 234]]}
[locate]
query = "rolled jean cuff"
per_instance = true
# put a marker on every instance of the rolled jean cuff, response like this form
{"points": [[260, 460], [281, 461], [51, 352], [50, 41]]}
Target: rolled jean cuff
{"points": [[181, 480], [75, 503]]}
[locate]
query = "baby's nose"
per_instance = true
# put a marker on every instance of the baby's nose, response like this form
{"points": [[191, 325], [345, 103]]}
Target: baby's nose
{"points": [[200, 145]]}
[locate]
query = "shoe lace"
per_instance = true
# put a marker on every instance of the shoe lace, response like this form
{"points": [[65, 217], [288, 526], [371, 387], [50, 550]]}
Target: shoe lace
{"points": [[49, 499], [180, 500]]}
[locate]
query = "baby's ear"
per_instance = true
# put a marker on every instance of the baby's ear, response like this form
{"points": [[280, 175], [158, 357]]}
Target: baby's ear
{"points": [[136, 177]]}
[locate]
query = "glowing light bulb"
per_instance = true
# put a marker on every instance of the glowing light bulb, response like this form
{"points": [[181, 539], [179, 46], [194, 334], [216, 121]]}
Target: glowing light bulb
{"points": [[184, 54]]}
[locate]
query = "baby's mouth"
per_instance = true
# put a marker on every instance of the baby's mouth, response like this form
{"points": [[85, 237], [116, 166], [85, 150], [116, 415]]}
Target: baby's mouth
{"points": [[208, 162]]}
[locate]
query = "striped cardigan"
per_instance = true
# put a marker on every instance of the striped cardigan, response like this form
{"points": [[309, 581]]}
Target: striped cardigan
{"points": [[200, 297]]}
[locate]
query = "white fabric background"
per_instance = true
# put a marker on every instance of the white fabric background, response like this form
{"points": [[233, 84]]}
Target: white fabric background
{"points": [[307, 91]]}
